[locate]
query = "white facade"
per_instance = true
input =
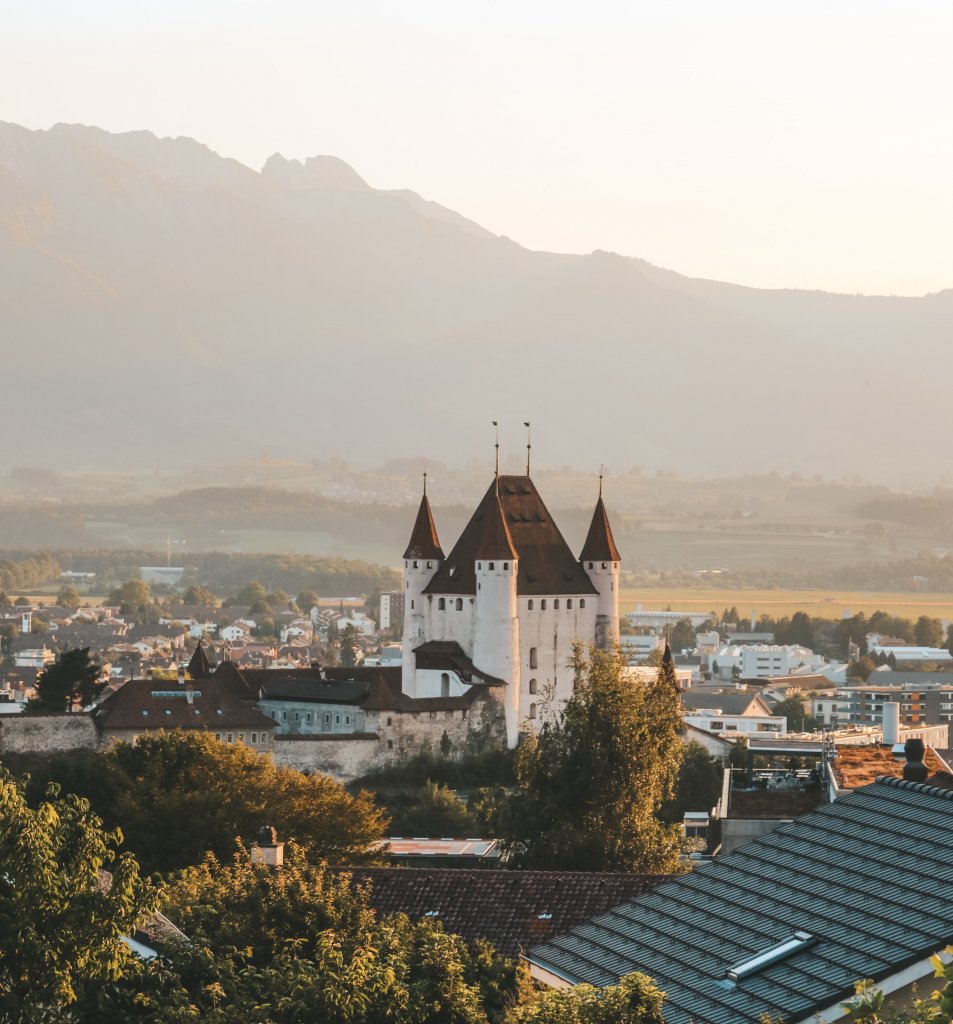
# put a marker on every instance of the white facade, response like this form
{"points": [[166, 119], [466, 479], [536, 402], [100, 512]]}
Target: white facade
{"points": [[523, 639], [711, 720], [762, 661]]}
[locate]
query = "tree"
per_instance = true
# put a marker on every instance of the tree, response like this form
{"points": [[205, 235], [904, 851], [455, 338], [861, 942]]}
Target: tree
{"points": [[307, 600], [634, 1000], [349, 645], [68, 597], [250, 594], [683, 636], [197, 594], [178, 795], [61, 920], [132, 596], [590, 785], [861, 669], [792, 708], [928, 632], [73, 676], [699, 785]]}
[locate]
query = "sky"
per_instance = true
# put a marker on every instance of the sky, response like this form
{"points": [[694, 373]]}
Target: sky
{"points": [[777, 144]]}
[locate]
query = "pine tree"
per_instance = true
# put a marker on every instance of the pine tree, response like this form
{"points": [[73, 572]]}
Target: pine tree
{"points": [[590, 785], [74, 675]]}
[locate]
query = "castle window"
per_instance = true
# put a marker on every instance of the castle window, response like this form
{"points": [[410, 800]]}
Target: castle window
{"points": [[430, 565], [569, 603], [459, 604], [532, 686], [390, 744], [415, 565], [506, 565], [532, 711], [441, 604], [411, 605], [463, 713], [254, 737], [444, 684], [582, 602], [388, 720], [479, 565], [605, 565], [556, 604], [530, 605], [491, 566], [532, 658], [590, 565], [542, 605]]}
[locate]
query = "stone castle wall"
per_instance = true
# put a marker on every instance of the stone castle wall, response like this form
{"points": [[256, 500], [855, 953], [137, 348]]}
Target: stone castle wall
{"points": [[47, 734]]}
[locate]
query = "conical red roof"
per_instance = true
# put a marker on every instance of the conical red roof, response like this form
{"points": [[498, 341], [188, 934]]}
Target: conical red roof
{"points": [[423, 539], [600, 545], [493, 539]]}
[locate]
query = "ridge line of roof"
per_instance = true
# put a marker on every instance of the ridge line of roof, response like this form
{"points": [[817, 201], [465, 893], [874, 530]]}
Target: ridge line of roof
{"points": [[916, 787]]}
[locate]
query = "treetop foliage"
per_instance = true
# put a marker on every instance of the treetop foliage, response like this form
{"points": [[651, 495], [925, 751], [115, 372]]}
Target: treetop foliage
{"points": [[591, 783]]}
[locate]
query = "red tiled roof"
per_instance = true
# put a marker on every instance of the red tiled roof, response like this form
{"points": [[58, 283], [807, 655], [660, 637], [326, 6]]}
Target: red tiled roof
{"points": [[423, 538], [546, 564], [139, 704], [493, 538], [199, 665], [600, 545], [511, 909]]}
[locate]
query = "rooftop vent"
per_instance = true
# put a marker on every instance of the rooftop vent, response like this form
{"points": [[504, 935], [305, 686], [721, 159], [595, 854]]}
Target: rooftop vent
{"points": [[779, 951]]}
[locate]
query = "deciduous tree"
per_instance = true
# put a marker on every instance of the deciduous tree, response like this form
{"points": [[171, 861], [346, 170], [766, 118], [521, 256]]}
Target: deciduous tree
{"points": [[591, 784]]}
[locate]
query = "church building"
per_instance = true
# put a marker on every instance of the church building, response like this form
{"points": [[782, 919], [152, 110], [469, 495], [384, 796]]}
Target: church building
{"points": [[504, 608]]}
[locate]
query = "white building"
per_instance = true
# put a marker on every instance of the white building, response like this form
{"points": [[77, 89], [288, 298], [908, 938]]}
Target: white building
{"points": [[34, 657], [761, 661], [507, 603]]}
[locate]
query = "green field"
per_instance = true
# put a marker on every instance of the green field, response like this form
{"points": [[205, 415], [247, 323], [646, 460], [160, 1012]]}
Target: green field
{"points": [[826, 604]]}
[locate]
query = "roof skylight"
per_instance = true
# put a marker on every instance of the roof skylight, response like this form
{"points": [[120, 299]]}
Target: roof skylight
{"points": [[780, 950]]}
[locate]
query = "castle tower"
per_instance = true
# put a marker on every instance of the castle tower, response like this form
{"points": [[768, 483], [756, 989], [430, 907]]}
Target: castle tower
{"points": [[496, 631], [601, 560], [422, 559]]}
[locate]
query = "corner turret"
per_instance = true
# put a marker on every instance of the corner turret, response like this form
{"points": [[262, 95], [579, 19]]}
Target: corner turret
{"points": [[601, 560], [422, 559], [496, 627]]}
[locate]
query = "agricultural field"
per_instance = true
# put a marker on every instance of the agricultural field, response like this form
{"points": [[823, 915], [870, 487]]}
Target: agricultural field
{"points": [[826, 604]]}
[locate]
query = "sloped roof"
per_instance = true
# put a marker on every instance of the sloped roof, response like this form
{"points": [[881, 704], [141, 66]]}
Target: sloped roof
{"points": [[448, 654], [729, 703], [423, 537], [546, 564], [868, 877], [511, 909], [199, 665], [148, 704], [314, 691], [600, 544]]}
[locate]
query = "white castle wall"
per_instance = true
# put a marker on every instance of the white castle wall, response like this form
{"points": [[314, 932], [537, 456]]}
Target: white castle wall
{"points": [[496, 634]]}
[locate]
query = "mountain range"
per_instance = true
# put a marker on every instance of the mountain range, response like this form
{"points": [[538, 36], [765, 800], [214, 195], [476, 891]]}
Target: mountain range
{"points": [[161, 303]]}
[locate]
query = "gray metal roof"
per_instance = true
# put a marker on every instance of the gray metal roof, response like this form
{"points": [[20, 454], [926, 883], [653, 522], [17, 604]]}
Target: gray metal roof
{"points": [[869, 877]]}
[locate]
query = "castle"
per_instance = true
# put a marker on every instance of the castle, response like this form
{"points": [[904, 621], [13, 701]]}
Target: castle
{"points": [[504, 608]]}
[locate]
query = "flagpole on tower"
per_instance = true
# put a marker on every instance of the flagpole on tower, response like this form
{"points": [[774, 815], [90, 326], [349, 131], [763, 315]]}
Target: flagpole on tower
{"points": [[529, 444], [497, 446]]}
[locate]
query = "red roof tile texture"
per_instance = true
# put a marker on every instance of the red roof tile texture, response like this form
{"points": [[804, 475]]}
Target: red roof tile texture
{"points": [[511, 909], [546, 564]]}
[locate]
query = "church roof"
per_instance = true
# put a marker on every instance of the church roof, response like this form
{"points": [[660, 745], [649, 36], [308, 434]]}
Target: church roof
{"points": [[547, 566], [600, 545], [423, 539]]}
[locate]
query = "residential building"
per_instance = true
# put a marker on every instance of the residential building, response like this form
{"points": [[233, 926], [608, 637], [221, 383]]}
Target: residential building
{"points": [[785, 926]]}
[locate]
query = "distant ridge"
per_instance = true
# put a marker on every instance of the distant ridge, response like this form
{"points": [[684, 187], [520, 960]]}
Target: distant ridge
{"points": [[158, 300]]}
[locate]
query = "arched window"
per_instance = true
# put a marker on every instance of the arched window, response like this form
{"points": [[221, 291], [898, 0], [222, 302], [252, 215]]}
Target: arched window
{"points": [[569, 603], [530, 604], [506, 566], [444, 684], [532, 686], [605, 565], [441, 604], [430, 565], [542, 605], [459, 604], [415, 565], [532, 658], [479, 565], [582, 602], [491, 566], [590, 565], [411, 605], [532, 711], [556, 604]]}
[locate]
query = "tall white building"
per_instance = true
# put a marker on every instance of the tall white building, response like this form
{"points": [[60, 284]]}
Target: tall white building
{"points": [[507, 603]]}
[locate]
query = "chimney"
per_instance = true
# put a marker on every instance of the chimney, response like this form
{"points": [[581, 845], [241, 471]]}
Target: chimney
{"points": [[266, 849], [915, 770], [181, 675], [189, 693], [891, 723]]}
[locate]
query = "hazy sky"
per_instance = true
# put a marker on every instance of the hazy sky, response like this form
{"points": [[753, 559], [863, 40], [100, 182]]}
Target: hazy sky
{"points": [[780, 144]]}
